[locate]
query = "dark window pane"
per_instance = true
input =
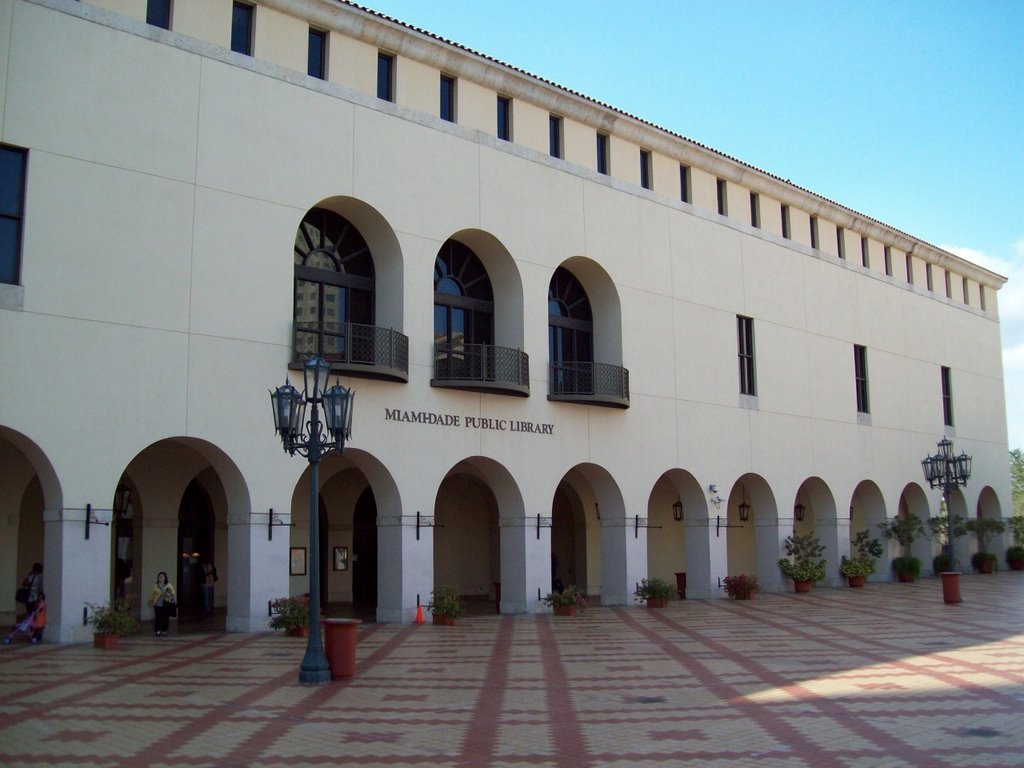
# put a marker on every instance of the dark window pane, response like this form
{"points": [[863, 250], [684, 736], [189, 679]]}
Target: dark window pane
{"points": [[504, 118], [12, 181], [447, 108], [10, 230], [158, 13], [555, 136], [384, 76], [241, 29], [317, 66]]}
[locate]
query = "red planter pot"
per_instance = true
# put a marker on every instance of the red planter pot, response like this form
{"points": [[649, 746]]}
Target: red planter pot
{"points": [[1016, 565], [985, 566], [802, 586], [565, 610], [106, 642], [906, 578], [653, 602], [857, 581], [950, 587], [448, 621], [298, 632]]}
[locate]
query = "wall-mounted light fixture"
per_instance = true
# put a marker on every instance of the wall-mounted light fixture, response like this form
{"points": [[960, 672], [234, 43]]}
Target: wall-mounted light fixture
{"points": [[677, 511], [744, 508], [597, 510], [799, 512]]}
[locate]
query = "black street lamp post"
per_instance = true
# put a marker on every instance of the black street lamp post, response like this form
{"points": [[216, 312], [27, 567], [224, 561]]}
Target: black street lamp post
{"points": [[946, 471], [309, 439]]}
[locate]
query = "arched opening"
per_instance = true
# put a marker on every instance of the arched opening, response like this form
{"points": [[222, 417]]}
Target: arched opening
{"points": [[570, 556], [753, 544], [195, 547], [867, 513], [364, 554]]}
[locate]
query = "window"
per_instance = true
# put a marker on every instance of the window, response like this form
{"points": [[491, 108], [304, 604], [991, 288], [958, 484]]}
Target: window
{"points": [[928, 277], [860, 373], [570, 334], [841, 242], [785, 222], [888, 261], [685, 192], [814, 232], [910, 269], [158, 13], [602, 153], [241, 28], [554, 136], [755, 209], [865, 253], [981, 297], [334, 285], [645, 169], [505, 118], [947, 397], [463, 311], [316, 65], [723, 198], [385, 76], [12, 203], [949, 285], [447, 109], [745, 347]]}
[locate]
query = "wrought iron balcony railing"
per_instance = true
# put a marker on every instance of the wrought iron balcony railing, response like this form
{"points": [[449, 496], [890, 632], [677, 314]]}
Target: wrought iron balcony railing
{"points": [[354, 349], [589, 383], [481, 368]]}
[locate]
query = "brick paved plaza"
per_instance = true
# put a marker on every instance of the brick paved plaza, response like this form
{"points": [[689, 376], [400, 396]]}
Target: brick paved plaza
{"points": [[882, 676]]}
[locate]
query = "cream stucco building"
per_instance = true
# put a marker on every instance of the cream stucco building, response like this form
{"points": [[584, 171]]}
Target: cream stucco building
{"points": [[560, 321]]}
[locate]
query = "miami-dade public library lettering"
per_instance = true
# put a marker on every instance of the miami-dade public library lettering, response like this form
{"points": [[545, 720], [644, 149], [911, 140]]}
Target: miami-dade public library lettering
{"points": [[469, 422]]}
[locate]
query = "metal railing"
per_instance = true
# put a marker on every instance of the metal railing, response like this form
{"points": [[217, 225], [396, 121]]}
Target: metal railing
{"points": [[482, 366], [589, 382], [353, 347]]}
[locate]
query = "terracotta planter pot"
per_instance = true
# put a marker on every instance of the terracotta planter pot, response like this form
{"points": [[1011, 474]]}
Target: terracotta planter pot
{"points": [[654, 602], [906, 578], [565, 610], [448, 621], [1016, 565], [107, 642], [802, 586], [857, 581], [985, 566], [340, 638], [950, 587], [298, 632]]}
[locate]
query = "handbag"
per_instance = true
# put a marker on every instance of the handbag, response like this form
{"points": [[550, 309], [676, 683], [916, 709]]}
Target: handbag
{"points": [[172, 609], [21, 595]]}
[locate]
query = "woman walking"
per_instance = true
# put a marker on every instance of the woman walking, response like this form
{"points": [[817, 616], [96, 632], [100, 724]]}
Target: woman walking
{"points": [[161, 597]]}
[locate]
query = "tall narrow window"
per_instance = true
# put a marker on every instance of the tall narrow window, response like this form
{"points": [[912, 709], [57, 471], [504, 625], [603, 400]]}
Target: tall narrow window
{"points": [[158, 13], [646, 180], [602, 153], [967, 292], [723, 198], [910, 269], [981, 297], [814, 232], [755, 210], [865, 253], [860, 373], [928, 277], [685, 193], [947, 397], [316, 65], [554, 136], [505, 118], [745, 348], [463, 313], [949, 285], [12, 203], [334, 288], [841, 242], [570, 335], [385, 76], [241, 28], [785, 222], [888, 261], [447, 108]]}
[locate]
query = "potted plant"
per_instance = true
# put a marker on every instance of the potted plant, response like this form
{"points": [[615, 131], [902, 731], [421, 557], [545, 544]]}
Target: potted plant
{"points": [[111, 621], [657, 592], [445, 606], [939, 527], [940, 563], [568, 602], [291, 614], [741, 587], [906, 568], [857, 568], [1015, 554], [904, 529], [983, 560], [803, 562]]}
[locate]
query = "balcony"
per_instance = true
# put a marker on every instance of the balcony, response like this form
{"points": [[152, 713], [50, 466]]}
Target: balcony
{"points": [[589, 384], [481, 368], [353, 349]]}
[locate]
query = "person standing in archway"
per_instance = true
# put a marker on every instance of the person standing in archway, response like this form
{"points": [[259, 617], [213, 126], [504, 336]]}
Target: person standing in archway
{"points": [[209, 579], [34, 584], [162, 598]]}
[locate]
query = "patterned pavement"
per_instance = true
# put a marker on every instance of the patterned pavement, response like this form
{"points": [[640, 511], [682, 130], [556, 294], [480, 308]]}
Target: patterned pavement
{"points": [[887, 675]]}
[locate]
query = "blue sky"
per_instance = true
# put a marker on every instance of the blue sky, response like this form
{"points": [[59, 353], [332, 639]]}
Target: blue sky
{"points": [[909, 112]]}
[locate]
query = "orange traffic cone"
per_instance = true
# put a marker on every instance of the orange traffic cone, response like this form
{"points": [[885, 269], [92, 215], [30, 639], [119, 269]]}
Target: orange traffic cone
{"points": [[419, 614]]}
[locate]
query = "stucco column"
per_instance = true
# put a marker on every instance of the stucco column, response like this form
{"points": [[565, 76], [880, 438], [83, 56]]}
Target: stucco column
{"points": [[623, 558], [835, 536], [769, 540], [525, 562], [257, 567], [76, 570], [707, 559], [405, 566]]}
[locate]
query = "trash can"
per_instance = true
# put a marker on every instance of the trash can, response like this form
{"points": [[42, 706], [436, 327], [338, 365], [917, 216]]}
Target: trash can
{"points": [[340, 646]]}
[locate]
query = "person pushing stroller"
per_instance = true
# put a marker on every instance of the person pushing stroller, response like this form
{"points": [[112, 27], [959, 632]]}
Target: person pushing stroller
{"points": [[33, 624]]}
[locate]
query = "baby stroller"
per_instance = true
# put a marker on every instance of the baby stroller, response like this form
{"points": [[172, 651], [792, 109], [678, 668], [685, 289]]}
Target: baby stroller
{"points": [[28, 626]]}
